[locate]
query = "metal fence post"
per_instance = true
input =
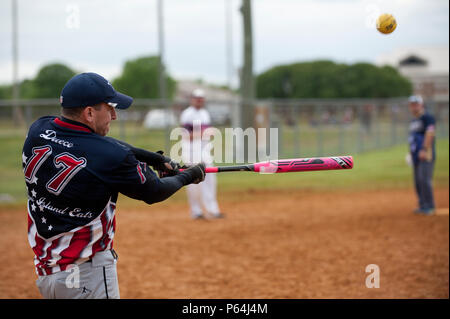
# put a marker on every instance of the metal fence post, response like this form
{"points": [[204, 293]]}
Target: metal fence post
{"points": [[393, 113], [28, 115], [168, 112], [340, 123], [320, 131], [275, 121], [376, 114], [359, 144], [296, 119]]}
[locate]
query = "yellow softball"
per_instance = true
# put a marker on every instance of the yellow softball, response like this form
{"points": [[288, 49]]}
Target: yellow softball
{"points": [[386, 23]]}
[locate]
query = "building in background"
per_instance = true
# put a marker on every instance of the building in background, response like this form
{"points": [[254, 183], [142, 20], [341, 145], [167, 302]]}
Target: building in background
{"points": [[220, 102], [426, 67]]}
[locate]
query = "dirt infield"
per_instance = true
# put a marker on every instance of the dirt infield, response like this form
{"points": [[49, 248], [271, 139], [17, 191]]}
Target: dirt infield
{"points": [[288, 245]]}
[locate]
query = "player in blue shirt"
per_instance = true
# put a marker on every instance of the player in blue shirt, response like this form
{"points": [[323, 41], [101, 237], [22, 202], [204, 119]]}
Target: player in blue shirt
{"points": [[73, 174], [423, 153]]}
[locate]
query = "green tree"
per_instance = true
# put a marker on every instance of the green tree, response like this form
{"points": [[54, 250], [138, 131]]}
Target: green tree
{"points": [[140, 79], [5, 92], [27, 89], [49, 81], [326, 79]]}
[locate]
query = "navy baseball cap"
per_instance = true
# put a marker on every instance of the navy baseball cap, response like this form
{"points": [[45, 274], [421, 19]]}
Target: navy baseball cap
{"points": [[87, 89]]}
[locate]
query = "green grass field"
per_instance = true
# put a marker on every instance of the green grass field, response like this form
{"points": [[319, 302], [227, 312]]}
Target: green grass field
{"points": [[385, 168]]}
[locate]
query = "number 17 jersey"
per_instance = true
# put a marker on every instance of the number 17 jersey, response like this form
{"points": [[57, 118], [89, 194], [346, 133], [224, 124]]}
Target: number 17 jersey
{"points": [[73, 177]]}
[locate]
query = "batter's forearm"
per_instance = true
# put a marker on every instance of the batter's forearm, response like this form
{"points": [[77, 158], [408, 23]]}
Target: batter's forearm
{"points": [[161, 189]]}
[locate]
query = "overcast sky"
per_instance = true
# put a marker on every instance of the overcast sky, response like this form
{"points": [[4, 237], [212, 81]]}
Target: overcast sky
{"points": [[100, 35]]}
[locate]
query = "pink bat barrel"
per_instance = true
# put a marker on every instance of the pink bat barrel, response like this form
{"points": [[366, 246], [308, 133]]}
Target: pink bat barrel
{"points": [[289, 165], [304, 164]]}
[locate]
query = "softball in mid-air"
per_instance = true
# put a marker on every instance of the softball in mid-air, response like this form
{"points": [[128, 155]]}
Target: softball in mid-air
{"points": [[386, 23]]}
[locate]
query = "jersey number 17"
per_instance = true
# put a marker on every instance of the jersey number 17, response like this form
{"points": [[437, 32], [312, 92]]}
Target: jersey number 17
{"points": [[68, 164]]}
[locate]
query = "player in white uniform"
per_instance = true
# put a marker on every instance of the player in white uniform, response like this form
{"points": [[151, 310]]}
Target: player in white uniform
{"points": [[196, 119]]}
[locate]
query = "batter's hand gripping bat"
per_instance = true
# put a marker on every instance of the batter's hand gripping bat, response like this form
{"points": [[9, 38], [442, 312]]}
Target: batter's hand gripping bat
{"points": [[290, 165]]}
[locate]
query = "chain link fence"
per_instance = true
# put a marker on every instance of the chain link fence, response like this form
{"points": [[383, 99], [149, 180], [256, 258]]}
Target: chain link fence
{"points": [[314, 127], [306, 127]]}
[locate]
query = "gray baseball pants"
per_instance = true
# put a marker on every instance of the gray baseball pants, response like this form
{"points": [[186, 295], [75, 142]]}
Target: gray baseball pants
{"points": [[94, 279], [423, 179]]}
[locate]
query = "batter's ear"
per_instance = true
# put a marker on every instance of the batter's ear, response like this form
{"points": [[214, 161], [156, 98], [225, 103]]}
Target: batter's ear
{"points": [[88, 114]]}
